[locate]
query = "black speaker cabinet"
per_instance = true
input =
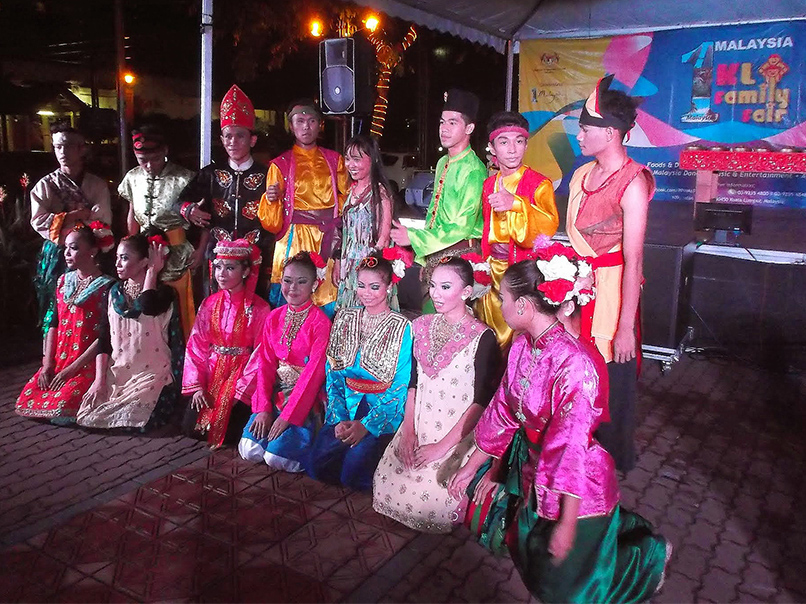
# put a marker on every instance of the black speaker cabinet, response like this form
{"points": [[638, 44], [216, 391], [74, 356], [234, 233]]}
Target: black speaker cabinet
{"points": [[665, 303], [346, 71]]}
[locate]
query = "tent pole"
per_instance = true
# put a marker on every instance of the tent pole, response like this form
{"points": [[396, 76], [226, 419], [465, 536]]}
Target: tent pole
{"points": [[510, 75], [206, 110], [123, 134]]}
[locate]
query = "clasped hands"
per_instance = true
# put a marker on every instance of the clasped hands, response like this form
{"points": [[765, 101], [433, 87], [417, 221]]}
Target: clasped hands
{"points": [[350, 432], [414, 455]]}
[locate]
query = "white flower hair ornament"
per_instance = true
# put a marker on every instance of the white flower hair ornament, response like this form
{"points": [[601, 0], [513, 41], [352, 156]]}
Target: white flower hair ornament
{"points": [[567, 275]]}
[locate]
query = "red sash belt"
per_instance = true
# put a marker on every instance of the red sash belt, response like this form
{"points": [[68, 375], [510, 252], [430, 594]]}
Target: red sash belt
{"points": [[367, 386], [609, 259]]}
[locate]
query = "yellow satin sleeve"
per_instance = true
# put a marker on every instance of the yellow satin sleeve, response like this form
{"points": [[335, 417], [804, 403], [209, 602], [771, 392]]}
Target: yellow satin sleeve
{"points": [[270, 213], [343, 182]]}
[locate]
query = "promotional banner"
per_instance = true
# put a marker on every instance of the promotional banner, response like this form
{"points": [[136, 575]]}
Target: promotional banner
{"points": [[730, 86]]}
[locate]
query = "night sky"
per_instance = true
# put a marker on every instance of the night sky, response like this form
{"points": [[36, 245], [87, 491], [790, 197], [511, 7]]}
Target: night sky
{"points": [[163, 40]]}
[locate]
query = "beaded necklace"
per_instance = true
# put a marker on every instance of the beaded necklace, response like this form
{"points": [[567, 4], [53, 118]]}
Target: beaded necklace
{"points": [[292, 323], [81, 285], [441, 332], [369, 323]]}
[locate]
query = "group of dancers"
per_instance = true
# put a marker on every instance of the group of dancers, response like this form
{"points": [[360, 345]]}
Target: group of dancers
{"points": [[505, 405]]}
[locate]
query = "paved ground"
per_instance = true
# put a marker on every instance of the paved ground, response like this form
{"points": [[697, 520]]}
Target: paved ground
{"points": [[48, 473], [88, 517]]}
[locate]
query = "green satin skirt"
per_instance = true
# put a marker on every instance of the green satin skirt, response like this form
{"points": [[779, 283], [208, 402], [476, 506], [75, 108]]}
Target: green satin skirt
{"points": [[615, 558], [49, 267]]}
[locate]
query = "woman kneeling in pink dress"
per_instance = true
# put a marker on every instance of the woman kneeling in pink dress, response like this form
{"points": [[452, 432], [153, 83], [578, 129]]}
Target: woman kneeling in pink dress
{"points": [[557, 509]]}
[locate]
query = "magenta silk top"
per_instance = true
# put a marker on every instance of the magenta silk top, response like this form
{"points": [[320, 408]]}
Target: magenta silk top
{"points": [[559, 384], [203, 350], [306, 352]]}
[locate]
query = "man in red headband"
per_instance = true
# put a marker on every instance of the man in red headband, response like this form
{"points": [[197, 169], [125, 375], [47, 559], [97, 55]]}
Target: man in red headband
{"points": [[608, 202], [223, 199], [518, 205], [305, 191], [152, 189]]}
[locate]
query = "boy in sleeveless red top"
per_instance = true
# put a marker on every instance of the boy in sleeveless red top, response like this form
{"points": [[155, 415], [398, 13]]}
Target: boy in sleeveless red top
{"points": [[518, 206], [608, 203]]}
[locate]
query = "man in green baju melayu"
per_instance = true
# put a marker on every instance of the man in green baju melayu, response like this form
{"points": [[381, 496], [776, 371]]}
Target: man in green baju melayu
{"points": [[454, 221]]}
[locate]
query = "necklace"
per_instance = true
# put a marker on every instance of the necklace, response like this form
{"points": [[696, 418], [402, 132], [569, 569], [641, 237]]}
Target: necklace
{"points": [[132, 289], [292, 324], [369, 323], [606, 181], [80, 286], [526, 381], [442, 332]]}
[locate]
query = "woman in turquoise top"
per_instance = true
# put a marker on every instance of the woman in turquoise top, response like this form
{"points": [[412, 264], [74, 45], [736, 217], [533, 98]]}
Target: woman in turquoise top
{"points": [[368, 373]]}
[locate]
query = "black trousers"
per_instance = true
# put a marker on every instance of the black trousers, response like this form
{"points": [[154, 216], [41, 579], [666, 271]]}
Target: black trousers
{"points": [[618, 435]]}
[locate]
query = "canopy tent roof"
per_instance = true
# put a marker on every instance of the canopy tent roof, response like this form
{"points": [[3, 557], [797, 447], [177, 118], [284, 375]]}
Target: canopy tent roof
{"points": [[493, 22]]}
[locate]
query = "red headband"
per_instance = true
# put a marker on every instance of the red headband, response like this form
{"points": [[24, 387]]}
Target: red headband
{"points": [[504, 129]]}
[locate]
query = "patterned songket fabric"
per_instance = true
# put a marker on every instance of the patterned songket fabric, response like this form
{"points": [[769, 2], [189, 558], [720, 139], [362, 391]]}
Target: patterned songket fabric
{"points": [[146, 349], [368, 372], [225, 334], [80, 309]]}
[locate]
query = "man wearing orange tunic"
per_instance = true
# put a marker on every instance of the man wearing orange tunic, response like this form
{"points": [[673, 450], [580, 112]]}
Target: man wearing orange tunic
{"points": [[305, 192], [518, 206], [608, 202]]}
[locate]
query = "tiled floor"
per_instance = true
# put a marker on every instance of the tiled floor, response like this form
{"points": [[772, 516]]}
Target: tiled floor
{"points": [[219, 530], [721, 473]]}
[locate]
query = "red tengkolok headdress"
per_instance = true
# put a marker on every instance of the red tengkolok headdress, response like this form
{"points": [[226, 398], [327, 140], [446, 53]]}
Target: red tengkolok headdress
{"points": [[237, 109], [241, 249]]}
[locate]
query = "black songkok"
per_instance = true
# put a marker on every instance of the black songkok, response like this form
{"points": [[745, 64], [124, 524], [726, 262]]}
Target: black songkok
{"points": [[462, 101]]}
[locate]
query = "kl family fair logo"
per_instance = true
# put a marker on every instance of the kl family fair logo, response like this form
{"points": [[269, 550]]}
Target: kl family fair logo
{"points": [[757, 93]]}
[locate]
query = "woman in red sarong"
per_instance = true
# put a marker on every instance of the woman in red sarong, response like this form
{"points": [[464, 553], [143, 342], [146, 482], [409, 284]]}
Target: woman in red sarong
{"points": [[226, 332], [71, 343]]}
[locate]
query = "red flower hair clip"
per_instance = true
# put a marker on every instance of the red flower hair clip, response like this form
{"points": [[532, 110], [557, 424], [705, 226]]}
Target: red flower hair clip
{"points": [[482, 276], [320, 264], [567, 275], [400, 260], [103, 235], [158, 240]]}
